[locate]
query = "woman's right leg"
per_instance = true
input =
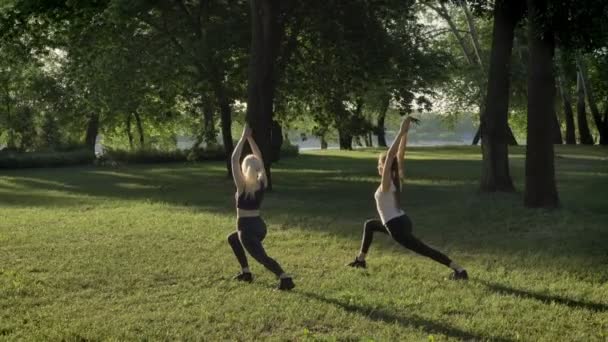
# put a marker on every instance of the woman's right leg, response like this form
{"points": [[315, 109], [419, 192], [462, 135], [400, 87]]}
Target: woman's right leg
{"points": [[251, 236], [237, 248], [369, 228]]}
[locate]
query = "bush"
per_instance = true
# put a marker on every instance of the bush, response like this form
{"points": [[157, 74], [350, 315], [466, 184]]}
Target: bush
{"points": [[216, 152], [212, 153], [289, 150], [14, 160], [143, 156]]}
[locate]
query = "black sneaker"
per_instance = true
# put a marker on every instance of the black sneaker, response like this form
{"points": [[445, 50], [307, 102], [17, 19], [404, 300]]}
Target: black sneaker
{"points": [[286, 284], [459, 275], [358, 264], [244, 276]]}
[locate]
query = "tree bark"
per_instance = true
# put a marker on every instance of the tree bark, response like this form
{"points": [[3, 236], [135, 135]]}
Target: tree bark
{"points": [[581, 114], [140, 129], [557, 132], [266, 33], [92, 131], [477, 136], [495, 175], [226, 123], [569, 116], [540, 188], [323, 142], [597, 118], [129, 133], [345, 139], [380, 130], [209, 132]]}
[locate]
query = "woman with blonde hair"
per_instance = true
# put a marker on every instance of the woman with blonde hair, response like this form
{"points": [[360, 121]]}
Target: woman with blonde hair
{"points": [[250, 180], [393, 220]]}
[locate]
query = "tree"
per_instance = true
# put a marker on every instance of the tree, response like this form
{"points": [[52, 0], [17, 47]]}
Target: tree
{"points": [[495, 174], [540, 187]]}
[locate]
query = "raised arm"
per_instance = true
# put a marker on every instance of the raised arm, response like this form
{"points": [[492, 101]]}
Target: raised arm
{"points": [[401, 155], [237, 173], [390, 155], [254, 148]]}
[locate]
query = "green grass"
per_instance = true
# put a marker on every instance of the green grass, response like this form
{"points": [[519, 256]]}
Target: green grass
{"points": [[139, 252]]}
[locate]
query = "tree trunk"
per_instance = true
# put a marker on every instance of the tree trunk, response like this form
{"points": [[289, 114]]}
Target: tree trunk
{"points": [[380, 130], [323, 142], [92, 131], [477, 136], [511, 137], [345, 139], [557, 132], [368, 140], [581, 114], [129, 133], [540, 188], [276, 140], [226, 123], [605, 127], [266, 32], [473, 31], [495, 175], [209, 132], [597, 118], [140, 129], [569, 116]]}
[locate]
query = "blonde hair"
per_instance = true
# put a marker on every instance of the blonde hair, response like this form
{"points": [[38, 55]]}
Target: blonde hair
{"points": [[254, 174]]}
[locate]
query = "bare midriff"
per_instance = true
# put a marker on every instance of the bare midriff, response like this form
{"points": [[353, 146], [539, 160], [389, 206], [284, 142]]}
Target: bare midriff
{"points": [[247, 213]]}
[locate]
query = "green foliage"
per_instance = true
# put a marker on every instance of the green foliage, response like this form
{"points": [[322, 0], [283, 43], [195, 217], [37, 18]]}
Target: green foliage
{"points": [[140, 253], [13, 160], [155, 156]]}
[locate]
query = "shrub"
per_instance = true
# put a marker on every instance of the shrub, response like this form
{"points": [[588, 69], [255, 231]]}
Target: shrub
{"points": [[14, 160], [289, 150], [143, 156]]}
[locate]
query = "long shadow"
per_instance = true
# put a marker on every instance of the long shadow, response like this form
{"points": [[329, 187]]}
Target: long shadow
{"points": [[411, 321], [325, 193], [546, 299]]}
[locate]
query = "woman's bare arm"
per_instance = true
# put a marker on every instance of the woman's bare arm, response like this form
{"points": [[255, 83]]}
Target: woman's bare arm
{"points": [[390, 155], [254, 148], [237, 174]]}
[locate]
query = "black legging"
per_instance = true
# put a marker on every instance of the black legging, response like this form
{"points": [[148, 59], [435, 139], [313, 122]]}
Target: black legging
{"points": [[250, 233], [400, 229]]}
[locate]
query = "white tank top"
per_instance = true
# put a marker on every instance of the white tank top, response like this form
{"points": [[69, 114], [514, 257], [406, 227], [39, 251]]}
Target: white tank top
{"points": [[386, 204]]}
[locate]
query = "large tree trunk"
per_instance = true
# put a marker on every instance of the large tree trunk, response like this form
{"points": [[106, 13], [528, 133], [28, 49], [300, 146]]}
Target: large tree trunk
{"points": [[129, 132], [581, 114], [568, 114], [380, 130], [140, 130], [495, 175], [92, 131], [540, 187], [597, 118], [266, 32]]}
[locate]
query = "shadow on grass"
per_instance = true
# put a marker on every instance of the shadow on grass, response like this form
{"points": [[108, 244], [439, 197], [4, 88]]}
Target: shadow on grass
{"points": [[544, 298], [410, 321], [333, 194]]}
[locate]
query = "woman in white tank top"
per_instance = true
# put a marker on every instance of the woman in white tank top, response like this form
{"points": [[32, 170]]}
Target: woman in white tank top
{"points": [[393, 220]]}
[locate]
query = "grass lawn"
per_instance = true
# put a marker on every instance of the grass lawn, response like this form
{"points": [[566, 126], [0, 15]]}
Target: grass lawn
{"points": [[140, 252]]}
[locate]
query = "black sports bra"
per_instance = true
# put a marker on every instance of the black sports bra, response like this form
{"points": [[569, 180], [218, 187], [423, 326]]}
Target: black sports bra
{"points": [[251, 203]]}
